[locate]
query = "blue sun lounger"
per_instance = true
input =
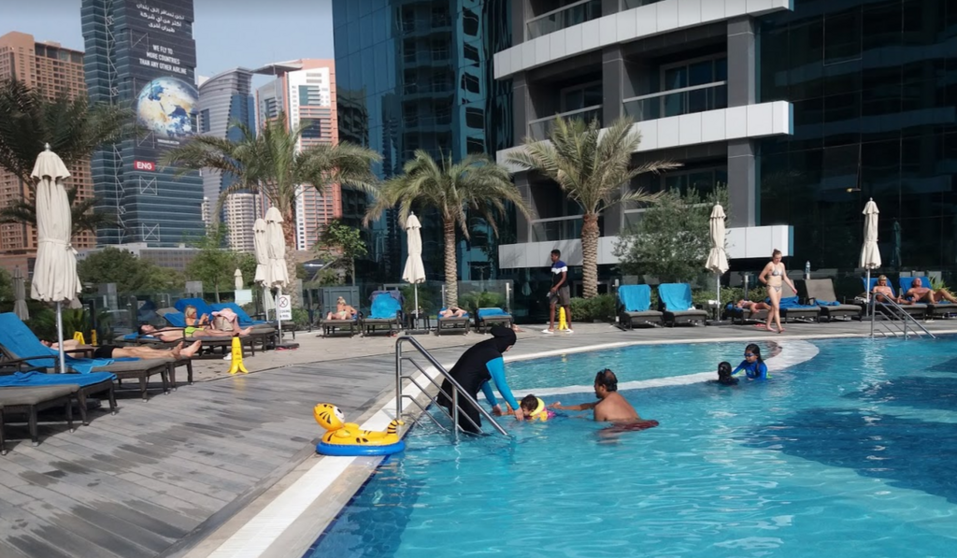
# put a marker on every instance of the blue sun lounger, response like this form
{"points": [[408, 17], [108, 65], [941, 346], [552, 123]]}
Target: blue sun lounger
{"points": [[677, 307], [936, 310], [634, 306], [386, 311], [485, 318]]}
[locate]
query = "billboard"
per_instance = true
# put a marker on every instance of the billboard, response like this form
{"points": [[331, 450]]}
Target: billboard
{"points": [[161, 70]]}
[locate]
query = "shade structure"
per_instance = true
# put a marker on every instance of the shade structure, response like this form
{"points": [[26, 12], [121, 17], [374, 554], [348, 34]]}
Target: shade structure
{"points": [[238, 278], [54, 276], [717, 261], [261, 252], [870, 253], [277, 275], [20, 296], [414, 268]]}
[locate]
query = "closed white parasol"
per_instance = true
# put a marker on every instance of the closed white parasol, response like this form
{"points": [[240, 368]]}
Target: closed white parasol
{"points": [[717, 261], [870, 253]]}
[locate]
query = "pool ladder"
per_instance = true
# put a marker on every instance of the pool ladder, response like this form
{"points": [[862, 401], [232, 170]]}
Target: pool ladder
{"points": [[899, 317], [401, 377]]}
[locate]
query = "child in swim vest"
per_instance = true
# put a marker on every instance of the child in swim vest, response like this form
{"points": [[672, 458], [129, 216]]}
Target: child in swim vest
{"points": [[753, 365], [534, 409]]}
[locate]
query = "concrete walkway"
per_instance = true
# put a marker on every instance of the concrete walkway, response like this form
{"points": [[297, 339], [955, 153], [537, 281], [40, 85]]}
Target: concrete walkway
{"points": [[161, 476]]}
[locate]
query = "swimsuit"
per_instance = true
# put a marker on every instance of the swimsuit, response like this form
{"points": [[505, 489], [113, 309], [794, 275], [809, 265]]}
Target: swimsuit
{"points": [[755, 370], [774, 281], [188, 332]]}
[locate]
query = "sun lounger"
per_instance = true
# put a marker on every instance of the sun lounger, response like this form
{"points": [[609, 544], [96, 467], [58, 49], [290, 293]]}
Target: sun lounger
{"points": [[917, 310], [460, 324], [18, 343], [485, 318], [821, 292], [792, 309], [31, 400], [3, 447], [210, 344], [91, 384], [742, 315], [677, 308], [386, 312], [936, 310], [330, 327], [634, 306]]}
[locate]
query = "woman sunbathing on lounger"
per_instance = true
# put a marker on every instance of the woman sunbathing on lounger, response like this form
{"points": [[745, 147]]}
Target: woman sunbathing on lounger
{"points": [[883, 292], [452, 312], [177, 333], [343, 311], [753, 306], [112, 351]]}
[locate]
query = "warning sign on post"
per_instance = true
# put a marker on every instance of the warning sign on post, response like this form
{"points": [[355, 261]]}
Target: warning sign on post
{"points": [[284, 307]]}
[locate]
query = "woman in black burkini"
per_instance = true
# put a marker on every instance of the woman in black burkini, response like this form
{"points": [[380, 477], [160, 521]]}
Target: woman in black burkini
{"points": [[479, 364]]}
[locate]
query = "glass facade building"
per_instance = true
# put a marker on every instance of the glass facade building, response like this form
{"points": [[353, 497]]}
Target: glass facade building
{"points": [[417, 74], [873, 85], [141, 55]]}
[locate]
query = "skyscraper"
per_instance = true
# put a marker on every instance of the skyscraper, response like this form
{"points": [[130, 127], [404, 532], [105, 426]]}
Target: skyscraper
{"points": [[226, 100], [56, 71], [418, 75], [142, 55], [305, 91]]}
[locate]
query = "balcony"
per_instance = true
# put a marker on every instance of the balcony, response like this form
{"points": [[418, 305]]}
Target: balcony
{"points": [[558, 228], [425, 57], [434, 88], [418, 26], [675, 102], [541, 128], [579, 12]]}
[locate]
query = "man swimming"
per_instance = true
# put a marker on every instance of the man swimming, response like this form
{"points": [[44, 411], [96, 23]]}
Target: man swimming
{"points": [[611, 407]]}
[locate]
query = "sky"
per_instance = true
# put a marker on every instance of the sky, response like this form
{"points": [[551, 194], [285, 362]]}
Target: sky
{"points": [[228, 33]]}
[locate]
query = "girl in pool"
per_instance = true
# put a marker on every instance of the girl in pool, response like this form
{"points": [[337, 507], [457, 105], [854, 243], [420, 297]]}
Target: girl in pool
{"points": [[773, 276], [725, 377], [753, 365]]}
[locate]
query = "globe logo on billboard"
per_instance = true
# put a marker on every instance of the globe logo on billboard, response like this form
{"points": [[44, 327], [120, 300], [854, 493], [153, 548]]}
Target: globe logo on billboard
{"points": [[166, 106]]}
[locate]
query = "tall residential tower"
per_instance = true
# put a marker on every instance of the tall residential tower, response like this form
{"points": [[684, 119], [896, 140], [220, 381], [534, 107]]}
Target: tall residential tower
{"points": [[305, 92], [55, 71], [142, 55]]}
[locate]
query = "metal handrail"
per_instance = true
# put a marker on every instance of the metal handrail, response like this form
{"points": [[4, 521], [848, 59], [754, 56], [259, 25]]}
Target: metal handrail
{"points": [[898, 311], [457, 390]]}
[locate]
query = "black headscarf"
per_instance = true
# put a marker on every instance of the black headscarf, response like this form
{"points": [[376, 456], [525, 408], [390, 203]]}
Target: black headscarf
{"points": [[502, 338]]}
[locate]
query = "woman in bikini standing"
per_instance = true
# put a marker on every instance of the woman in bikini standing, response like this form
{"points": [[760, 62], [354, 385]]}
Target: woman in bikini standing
{"points": [[773, 276]]}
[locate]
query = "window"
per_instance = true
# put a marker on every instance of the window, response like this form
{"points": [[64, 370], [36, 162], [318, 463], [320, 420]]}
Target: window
{"points": [[842, 37], [581, 96], [474, 118], [204, 121], [470, 83], [470, 23]]}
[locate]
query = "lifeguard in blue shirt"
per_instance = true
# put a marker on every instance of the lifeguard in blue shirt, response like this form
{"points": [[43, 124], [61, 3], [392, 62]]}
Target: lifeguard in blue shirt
{"points": [[753, 365]]}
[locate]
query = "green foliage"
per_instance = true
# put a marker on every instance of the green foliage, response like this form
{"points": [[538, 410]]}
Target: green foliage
{"points": [[74, 129], [270, 161], [427, 295], [214, 265], [481, 299], [600, 307], [131, 274], [340, 245], [6, 286], [43, 323], [673, 237], [590, 165], [938, 284], [300, 318]]}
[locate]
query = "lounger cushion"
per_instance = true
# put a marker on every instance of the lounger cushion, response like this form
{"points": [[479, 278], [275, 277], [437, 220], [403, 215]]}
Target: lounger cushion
{"points": [[16, 396], [635, 298], [126, 366], [384, 307], [36, 379], [492, 313]]}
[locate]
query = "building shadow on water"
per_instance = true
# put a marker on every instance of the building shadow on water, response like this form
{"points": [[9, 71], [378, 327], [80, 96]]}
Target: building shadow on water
{"points": [[873, 439]]}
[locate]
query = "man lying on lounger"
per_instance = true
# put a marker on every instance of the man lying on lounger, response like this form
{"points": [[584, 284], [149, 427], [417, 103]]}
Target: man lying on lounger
{"points": [[919, 293], [112, 351], [178, 333]]}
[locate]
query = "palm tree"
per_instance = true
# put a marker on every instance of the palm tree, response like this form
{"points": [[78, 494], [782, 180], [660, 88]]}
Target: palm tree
{"points": [[592, 167], [475, 184], [273, 164], [74, 129]]}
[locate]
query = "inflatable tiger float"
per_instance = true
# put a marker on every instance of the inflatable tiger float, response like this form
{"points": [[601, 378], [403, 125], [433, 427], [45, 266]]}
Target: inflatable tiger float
{"points": [[346, 438]]}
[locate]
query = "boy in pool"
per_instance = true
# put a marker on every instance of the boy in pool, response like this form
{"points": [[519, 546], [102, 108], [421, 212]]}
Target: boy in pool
{"points": [[533, 407], [724, 375], [753, 365]]}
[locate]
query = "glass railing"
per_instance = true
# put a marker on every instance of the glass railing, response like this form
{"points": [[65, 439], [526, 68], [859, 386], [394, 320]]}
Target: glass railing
{"points": [[580, 12], [687, 100], [541, 128], [413, 88], [562, 228]]}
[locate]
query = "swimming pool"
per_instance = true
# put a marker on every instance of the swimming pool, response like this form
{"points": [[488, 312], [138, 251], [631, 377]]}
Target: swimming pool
{"points": [[850, 454]]}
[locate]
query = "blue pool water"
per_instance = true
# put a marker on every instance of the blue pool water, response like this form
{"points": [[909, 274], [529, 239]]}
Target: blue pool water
{"points": [[851, 453]]}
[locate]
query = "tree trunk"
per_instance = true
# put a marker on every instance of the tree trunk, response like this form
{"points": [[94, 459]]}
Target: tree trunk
{"points": [[292, 258], [352, 270], [451, 273], [590, 254]]}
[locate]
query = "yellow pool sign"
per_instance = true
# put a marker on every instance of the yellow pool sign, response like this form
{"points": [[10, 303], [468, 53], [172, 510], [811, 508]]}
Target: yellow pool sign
{"points": [[236, 364]]}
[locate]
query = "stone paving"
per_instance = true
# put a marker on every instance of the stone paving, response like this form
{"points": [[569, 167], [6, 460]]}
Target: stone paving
{"points": [[160, 476]]}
